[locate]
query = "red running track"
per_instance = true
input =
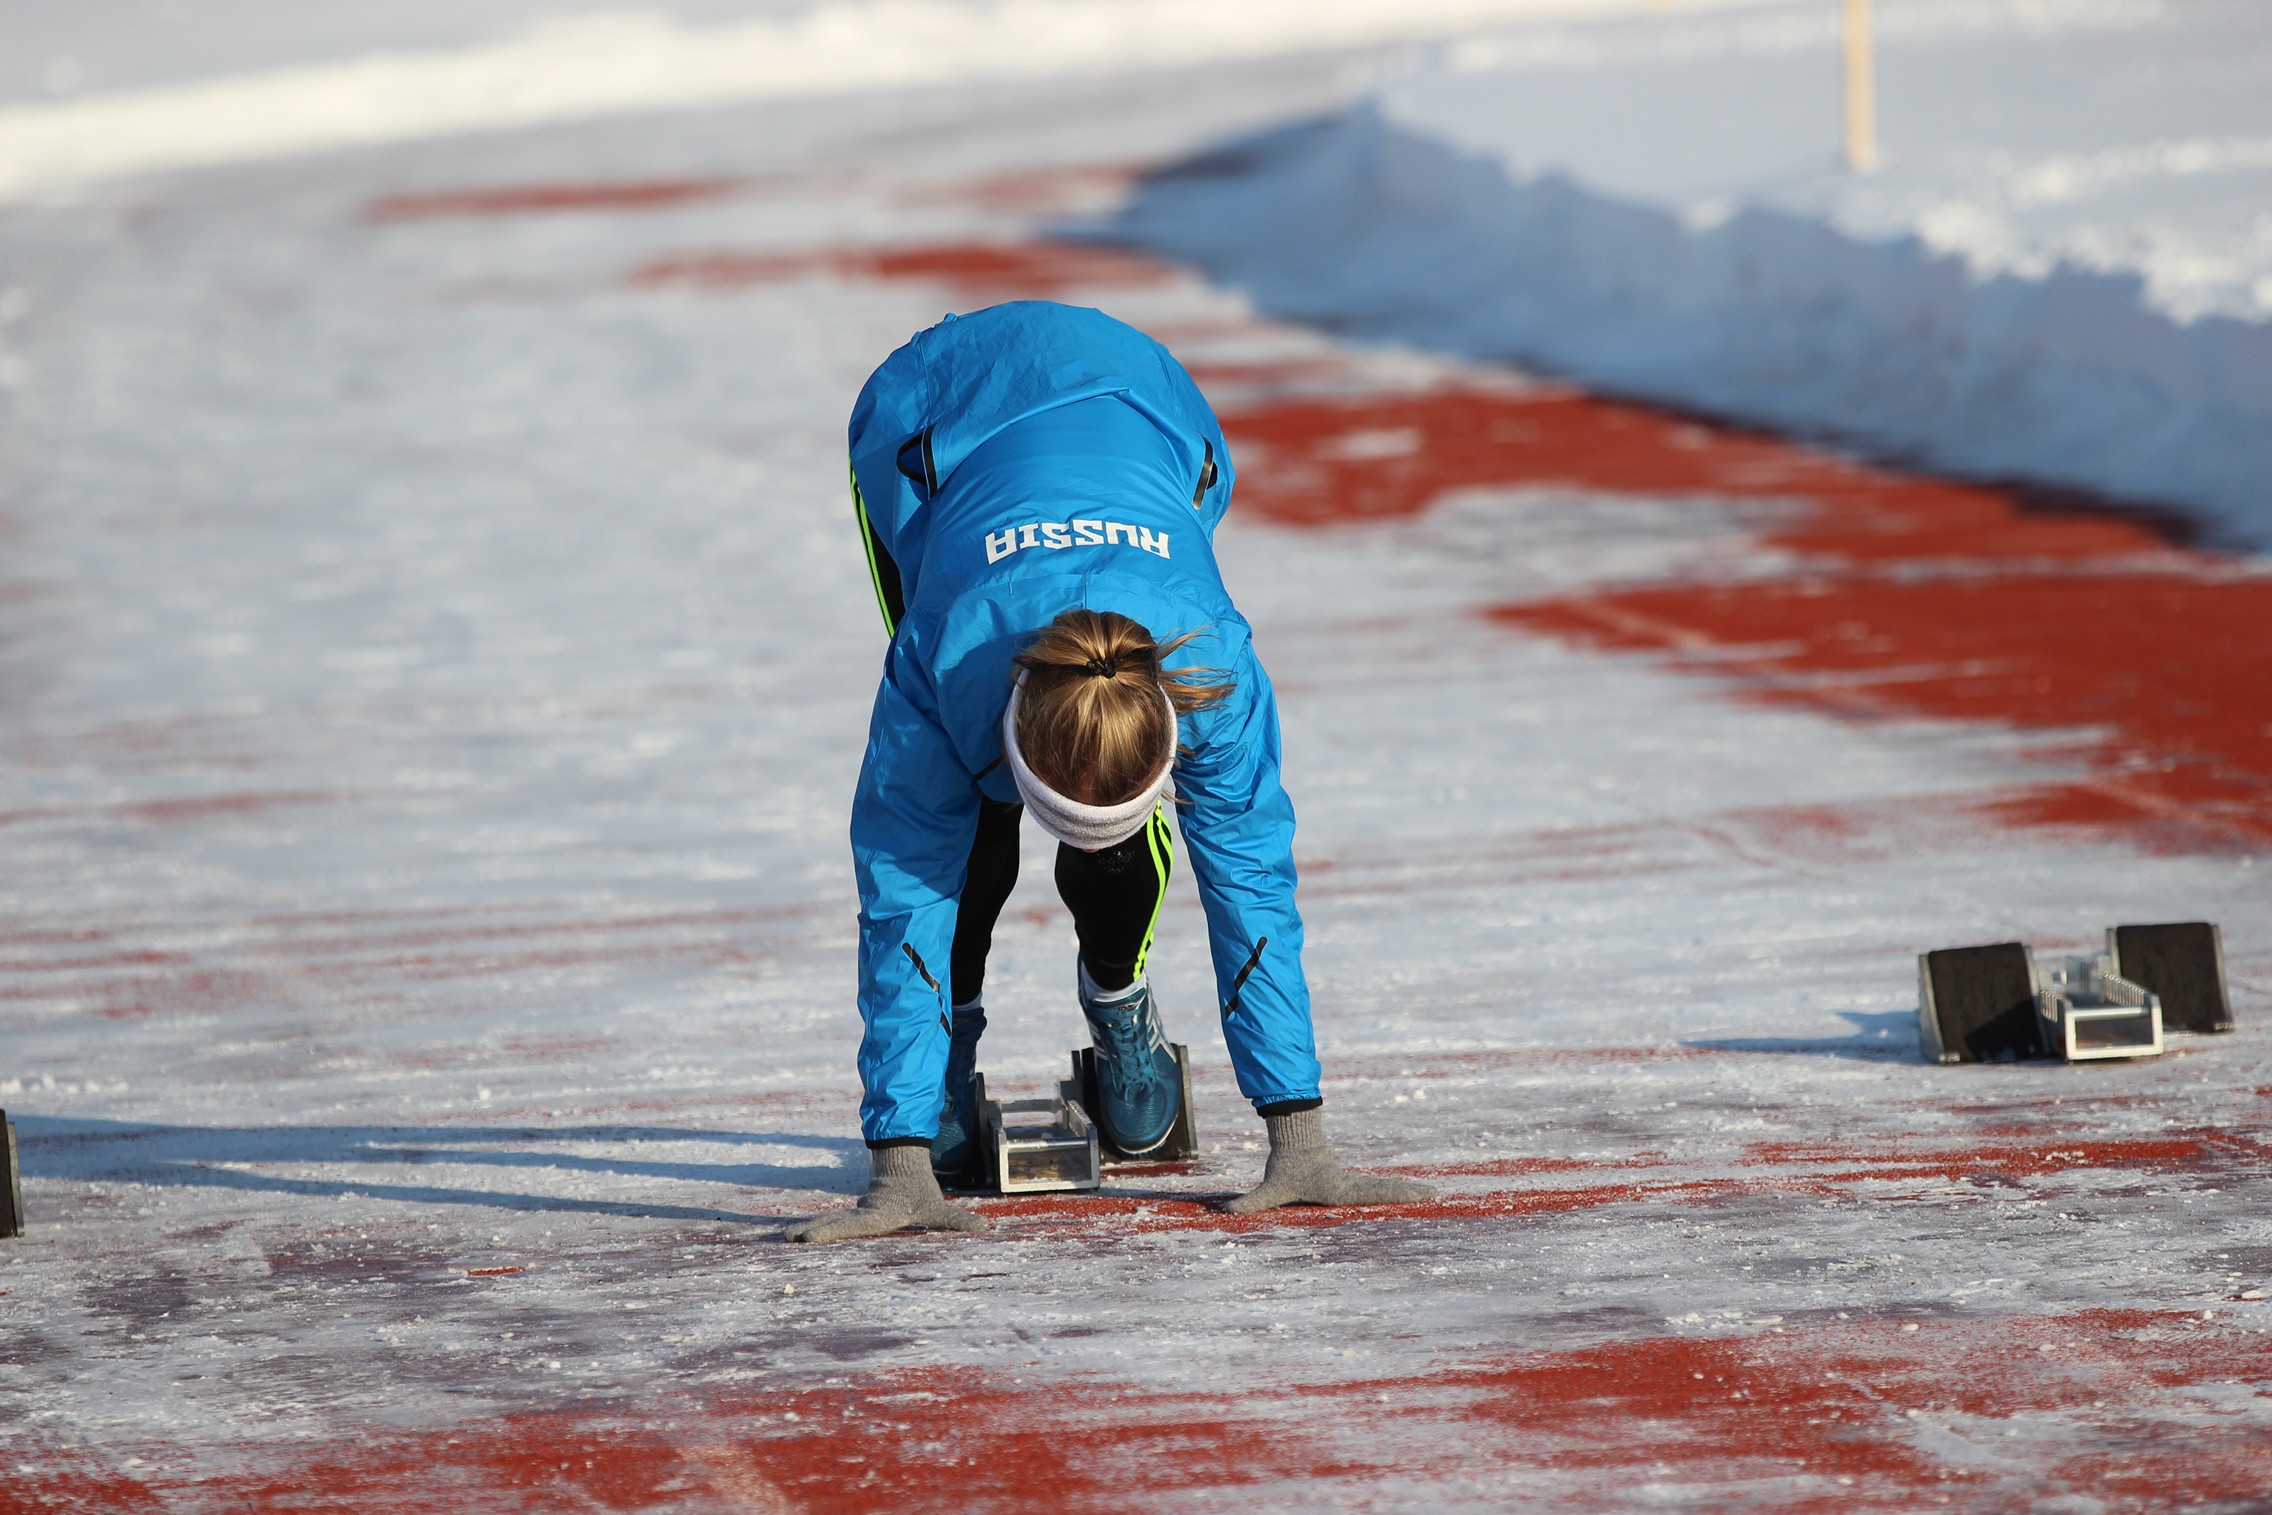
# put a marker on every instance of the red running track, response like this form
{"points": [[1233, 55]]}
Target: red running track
{"points": [[1867, 1408], [1907, 595]]}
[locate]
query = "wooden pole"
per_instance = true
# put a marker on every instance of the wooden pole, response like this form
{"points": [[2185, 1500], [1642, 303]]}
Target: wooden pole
{"points": [[1861, 91]]}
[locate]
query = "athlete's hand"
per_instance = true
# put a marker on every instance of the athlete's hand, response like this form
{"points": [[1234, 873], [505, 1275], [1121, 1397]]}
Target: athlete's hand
{"points": [[1303, 1171], [902, 1193]]}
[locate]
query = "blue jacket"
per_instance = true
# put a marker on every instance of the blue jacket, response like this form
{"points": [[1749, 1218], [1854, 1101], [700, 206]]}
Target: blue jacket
{"points": [[1015, 463]]}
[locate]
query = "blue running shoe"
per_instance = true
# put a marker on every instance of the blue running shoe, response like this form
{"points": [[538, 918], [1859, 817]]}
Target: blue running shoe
{"points": [[955, 1149], [1139, 1087]]}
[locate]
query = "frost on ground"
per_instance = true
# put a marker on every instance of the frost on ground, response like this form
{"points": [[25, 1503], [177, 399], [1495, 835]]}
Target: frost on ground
{"points": [[2061, 272], [433, 659]]}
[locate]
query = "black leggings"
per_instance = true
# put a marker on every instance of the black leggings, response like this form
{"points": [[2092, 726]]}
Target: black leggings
{"points": [[1114, 894]]}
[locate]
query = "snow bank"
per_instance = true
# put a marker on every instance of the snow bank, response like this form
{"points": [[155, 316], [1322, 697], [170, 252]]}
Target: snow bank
{"points": [[570, 68], [2064, 271]]}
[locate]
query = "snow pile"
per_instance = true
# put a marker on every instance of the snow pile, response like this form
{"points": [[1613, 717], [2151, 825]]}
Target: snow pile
{"points": [[576, 67], [2063, 271]]}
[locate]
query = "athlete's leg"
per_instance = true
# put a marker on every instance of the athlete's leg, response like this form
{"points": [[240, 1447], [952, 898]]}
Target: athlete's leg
{"points": [[1115, 896], [992, 870], [992, 874]]}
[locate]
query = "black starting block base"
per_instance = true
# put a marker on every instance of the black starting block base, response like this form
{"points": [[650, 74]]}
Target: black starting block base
{"points": [[11, 1196], [1183, 1140]]}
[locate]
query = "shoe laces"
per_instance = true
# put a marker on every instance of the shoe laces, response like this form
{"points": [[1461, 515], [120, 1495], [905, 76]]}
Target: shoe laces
{"points": [[1130, 1032]]}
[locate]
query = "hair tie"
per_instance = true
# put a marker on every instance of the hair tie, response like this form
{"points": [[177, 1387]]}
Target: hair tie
{"points": [[1102, 668]]}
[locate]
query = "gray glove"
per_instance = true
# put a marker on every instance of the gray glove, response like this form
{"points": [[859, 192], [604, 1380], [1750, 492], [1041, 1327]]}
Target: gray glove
{"points": [[902, 1192], [1303, 1171]]}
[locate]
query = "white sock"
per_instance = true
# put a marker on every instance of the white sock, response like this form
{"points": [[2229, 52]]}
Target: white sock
{"points": [[1092, 995]]}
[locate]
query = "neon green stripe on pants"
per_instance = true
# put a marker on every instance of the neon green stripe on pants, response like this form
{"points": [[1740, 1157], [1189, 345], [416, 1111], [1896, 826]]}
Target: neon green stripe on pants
{"points": [[1159, 840]]}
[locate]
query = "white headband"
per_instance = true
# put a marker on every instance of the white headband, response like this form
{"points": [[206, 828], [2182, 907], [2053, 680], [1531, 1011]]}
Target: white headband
{"points": [[1091, 828]]}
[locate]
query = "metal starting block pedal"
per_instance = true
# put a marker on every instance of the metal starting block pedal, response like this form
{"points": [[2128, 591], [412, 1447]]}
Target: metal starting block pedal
{"points": [[2184, 964], [1977, 1004], [1032, 1146]]}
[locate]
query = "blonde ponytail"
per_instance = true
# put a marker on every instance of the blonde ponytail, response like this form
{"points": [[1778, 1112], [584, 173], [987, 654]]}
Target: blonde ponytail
{"points": [[1090, 721]]}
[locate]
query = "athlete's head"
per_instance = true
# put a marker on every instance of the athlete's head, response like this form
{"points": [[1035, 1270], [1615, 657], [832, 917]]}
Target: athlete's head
{"points": [[1095, 713]]}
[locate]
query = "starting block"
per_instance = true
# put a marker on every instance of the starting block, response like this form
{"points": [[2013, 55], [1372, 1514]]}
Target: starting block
{"points": [[1993, 1004], [11, 1196], [1030, 1146]]}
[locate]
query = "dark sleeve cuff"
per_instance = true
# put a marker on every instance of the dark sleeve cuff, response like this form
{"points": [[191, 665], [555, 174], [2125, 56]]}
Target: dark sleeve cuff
{"points": [[1287, 1107], [899, 1141]]}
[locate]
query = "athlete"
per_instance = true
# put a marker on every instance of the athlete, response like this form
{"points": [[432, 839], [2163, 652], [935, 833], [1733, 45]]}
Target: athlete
{"points": [[1038, 486]]}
